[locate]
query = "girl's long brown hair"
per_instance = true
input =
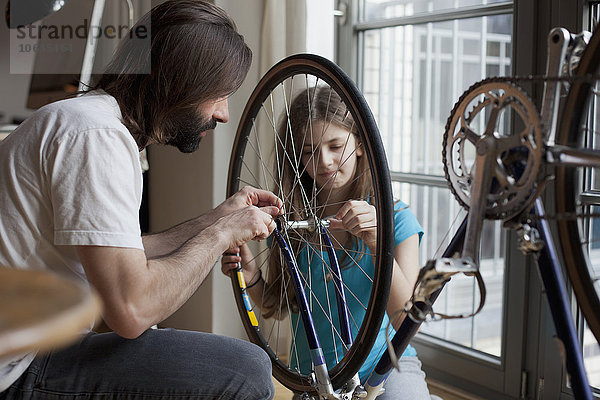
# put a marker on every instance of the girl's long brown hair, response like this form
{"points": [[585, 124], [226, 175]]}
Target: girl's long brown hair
{"points": [[310, 106], [194, 55]]}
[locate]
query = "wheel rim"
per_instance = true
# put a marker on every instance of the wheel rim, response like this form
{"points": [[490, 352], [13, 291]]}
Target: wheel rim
{"points": [[258, 158], [578, 233]]}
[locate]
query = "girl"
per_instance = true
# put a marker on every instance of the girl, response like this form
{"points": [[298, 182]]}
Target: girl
{"points": [[323, 174]]}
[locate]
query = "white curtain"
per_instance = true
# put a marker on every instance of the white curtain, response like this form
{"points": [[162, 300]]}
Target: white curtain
{"points": [[283, 31]]}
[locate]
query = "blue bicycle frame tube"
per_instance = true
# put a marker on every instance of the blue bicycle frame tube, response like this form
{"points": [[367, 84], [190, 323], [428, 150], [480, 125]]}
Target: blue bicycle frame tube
{"points": [[409, 328], [316, 352], [340, 293], [558, 299]]}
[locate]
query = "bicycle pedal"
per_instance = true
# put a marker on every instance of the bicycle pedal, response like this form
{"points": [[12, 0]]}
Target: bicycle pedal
{"points": [[439, 271], [455, 266], [528, 239]]}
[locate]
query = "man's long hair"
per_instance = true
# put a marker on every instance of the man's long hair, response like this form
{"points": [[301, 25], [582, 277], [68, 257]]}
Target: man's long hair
{"points": [[195, 55]]}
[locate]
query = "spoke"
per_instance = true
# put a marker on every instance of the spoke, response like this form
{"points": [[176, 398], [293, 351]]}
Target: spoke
{"points": [[356, 259], [249, 170], [320, 208], [293, 159], [258, 153], [346, 287], [354, 256], [329, 271]]}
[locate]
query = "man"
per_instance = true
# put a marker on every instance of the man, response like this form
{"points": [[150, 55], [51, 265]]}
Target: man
{"points": [[70, 191]]}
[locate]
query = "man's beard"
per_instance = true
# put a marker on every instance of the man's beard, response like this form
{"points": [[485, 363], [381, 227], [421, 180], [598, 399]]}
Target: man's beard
{"points": [[186, 131]]}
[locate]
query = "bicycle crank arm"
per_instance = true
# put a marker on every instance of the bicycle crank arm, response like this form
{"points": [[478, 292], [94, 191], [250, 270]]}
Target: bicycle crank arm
{"points": [[558, 42], [484, 164], [571, 157]]}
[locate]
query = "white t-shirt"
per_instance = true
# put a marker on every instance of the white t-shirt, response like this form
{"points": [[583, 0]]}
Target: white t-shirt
{"points": [[69, 175]]}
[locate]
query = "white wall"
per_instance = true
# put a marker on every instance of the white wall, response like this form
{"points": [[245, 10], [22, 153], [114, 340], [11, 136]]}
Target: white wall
{"points": [[248, 17]]}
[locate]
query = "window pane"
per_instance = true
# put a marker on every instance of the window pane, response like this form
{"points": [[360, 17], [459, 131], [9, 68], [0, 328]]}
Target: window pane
{"points": [[591, 349], [413, 75], [440, 216], [382, 9], [591, 357]]}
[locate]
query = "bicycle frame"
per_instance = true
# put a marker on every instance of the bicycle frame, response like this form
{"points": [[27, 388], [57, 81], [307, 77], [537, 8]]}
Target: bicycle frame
{"points": [[558, 299], [322, 380], [409, 327], [550, 272]]}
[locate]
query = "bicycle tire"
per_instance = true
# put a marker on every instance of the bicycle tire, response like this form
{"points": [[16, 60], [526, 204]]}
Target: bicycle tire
{"points": [[575, 235], [249, 148]]}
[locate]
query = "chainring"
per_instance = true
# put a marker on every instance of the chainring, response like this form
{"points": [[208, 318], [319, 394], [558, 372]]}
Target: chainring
{"points": [[498, 109]]}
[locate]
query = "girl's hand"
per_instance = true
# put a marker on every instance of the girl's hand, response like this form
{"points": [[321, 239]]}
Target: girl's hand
{"points": [[360, 219], [230, 260]]}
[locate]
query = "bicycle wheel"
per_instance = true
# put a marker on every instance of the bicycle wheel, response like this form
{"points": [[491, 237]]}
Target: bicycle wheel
{"points": [[275, 150], [577, 189]]}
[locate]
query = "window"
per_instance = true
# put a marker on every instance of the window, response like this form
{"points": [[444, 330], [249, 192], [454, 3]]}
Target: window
{"points": [[416, 58], [413, 59]]}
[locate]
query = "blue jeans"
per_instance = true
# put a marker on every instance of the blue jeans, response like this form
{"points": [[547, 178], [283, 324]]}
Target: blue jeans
{"points": [[161, 363]]}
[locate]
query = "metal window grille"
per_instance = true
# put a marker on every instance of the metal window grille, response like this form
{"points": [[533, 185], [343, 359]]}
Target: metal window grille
{"points": [[415, 59]]}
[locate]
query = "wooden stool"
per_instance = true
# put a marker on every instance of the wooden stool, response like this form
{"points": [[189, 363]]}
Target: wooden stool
{"points": [[41, 311]]}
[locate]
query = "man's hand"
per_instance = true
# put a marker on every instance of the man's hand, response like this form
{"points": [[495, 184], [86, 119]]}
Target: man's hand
{"points": [[249, 223], [249, 196], [141, 288], [139, 292]]}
